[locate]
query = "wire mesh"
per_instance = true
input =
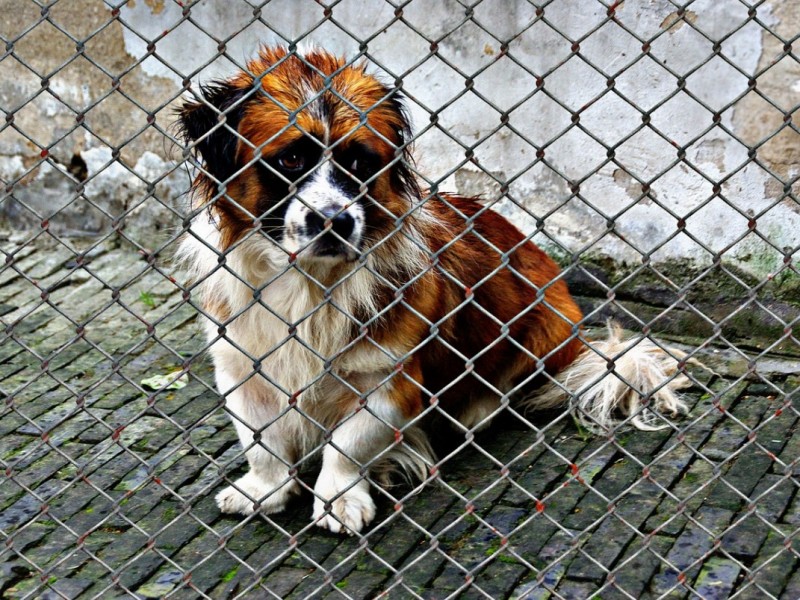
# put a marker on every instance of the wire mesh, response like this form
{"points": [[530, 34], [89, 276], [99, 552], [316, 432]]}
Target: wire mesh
{"points": [[649, 147]]}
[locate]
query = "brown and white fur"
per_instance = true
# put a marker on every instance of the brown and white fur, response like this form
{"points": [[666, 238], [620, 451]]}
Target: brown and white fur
{"points": [[343, 303]]}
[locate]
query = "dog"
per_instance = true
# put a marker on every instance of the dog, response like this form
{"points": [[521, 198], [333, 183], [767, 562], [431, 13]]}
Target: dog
{"points": [[343, 303]]}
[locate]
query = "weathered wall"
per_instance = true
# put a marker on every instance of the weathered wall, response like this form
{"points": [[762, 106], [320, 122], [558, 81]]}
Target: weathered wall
{"points": [[105, 114]]}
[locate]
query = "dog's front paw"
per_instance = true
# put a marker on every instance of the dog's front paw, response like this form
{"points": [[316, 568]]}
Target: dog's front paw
{"points": [[348, 512], [251, 493]]}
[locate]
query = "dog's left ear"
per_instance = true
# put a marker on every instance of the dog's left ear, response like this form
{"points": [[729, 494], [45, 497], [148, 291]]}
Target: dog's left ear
{"points": [[212, 123], [403, 176]]}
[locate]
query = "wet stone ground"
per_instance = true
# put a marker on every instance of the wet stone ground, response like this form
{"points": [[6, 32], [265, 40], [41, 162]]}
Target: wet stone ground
{"points": [[107, 488]]}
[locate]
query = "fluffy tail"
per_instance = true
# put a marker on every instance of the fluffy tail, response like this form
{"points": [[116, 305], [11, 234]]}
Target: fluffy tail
{"points": [[607, 382], [409, 462]]}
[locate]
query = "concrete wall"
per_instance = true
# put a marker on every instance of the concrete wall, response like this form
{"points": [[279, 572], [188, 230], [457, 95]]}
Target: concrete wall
{"points": [[106, 114]]}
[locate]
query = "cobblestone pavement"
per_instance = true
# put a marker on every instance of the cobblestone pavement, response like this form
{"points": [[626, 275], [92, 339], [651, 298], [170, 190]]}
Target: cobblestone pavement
{"points": [[108, 488]]}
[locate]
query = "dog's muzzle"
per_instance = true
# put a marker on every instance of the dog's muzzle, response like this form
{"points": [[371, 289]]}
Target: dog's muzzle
{"points": [[333, 228], [323, 220]]}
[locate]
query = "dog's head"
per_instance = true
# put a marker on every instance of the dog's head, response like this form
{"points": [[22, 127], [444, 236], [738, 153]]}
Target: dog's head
{"points": [[305, 148]]}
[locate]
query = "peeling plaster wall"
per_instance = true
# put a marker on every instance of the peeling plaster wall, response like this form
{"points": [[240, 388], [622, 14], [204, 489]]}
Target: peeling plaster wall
{"points": [[138, 180]]}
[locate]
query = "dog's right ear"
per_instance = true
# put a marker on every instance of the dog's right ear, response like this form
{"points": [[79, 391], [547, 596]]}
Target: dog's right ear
{"points": [[212, 124]]}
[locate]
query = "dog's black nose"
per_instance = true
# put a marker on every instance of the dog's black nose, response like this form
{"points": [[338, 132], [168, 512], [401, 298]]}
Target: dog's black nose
{"points": [[341, 222]]}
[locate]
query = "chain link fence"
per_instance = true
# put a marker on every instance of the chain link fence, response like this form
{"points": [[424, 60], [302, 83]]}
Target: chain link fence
{"points": [[649, 147]]}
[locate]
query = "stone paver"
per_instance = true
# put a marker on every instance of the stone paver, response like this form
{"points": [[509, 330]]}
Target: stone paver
{"points": [[107, 488]]}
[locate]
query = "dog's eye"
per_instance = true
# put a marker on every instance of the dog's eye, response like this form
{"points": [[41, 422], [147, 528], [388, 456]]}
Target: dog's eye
{"points": [[361, 166], [292, 161]]}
